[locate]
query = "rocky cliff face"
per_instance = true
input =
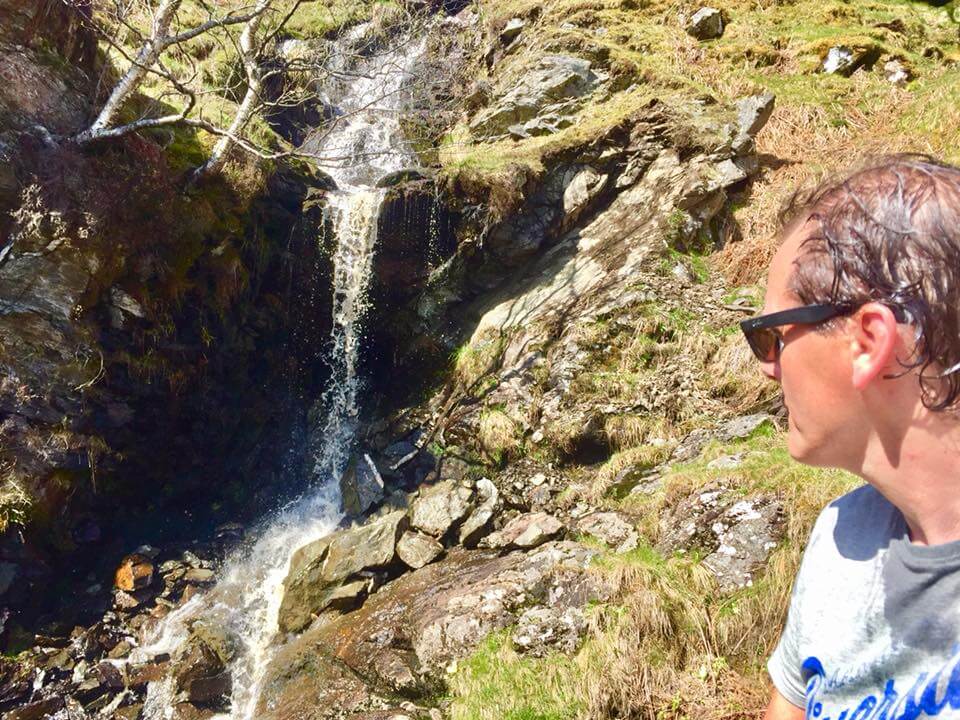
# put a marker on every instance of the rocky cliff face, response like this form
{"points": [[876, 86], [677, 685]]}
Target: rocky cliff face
{"points": [[148, 336]]}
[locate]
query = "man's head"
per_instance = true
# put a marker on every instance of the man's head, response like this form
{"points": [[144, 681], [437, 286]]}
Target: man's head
{"points": [[882, 247]]}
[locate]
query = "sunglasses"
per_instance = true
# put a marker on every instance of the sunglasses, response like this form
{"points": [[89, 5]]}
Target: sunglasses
{"points": [[763, 337], [767, 342]]}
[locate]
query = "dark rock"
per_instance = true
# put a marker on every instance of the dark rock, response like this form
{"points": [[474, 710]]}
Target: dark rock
{"points": [[403, 176], [439, 508], [844, 60], [213, 690], [138, 676], [361, 485], [417, 549], [705, 24], [36, 710]]}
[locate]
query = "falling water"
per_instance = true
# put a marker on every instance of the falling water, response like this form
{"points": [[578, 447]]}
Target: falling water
{"points": [[365, 145]]}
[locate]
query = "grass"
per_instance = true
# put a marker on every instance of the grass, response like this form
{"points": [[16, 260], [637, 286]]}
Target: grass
{"points": [[668, 645]]}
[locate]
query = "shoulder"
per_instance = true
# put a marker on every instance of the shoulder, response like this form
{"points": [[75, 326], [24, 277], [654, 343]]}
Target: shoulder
{"points": [[857, 526]]}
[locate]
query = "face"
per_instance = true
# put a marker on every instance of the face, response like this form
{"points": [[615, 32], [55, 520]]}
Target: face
{"points": [[814, 371]]}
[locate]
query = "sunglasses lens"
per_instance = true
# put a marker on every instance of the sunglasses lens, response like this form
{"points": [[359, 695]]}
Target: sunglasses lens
{"points": [[764, 343]]}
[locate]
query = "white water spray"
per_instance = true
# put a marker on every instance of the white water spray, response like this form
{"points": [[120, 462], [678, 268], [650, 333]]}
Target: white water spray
{"points": [[368, 144]]}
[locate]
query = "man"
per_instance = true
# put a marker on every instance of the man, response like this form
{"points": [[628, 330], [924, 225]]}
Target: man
{"points": [[861, 328]]}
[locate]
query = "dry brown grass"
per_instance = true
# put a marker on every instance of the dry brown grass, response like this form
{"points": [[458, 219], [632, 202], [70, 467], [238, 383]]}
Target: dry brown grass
{"points": [[498, 434]]}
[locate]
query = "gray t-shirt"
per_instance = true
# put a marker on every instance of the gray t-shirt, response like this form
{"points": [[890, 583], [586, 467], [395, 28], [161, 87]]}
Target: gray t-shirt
{"points": [[873, 630]]}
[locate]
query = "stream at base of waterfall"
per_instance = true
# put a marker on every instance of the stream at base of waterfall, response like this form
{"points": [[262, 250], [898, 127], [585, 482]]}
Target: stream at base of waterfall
{"points": [[365, 144]]}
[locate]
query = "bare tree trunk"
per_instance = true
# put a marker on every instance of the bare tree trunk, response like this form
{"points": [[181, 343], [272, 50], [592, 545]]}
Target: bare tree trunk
{"points": [[146, 59], [250, 55]]}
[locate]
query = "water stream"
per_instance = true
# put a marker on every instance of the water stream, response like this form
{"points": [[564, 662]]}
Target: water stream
{"points": [[368, 89]]}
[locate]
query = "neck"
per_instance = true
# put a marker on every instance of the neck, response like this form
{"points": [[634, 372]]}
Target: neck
{"points": [[916, 469]]}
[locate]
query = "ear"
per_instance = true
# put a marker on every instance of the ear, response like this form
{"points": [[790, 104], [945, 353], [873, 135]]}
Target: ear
{"points": [[873, 341]]}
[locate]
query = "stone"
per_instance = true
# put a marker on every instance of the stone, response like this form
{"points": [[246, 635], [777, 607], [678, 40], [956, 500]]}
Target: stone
{"points": [[417, 549], [733, 534], [138, 676], [512, 30], [214, 690], [753, 112], [135, 573], [896, 72], [543, 630], [36, 710], [525, 531], [844, 60], [583, 186], [361, 485], [478, 521], [610, 528], [319, 569], [200, 576], [406, 635], [705, 24], [555, 79], [440, 507], [747, 532], [726, 462], [398, 177]]}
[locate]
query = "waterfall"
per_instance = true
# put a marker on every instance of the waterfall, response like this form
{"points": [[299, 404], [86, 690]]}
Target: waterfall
{"points": [[365, 145]]}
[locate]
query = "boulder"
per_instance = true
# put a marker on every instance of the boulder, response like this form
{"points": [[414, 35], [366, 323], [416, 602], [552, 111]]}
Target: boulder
{"points": [[417, 549], [361, 486], [555, 79], [135, 573], [512, 30], [478, 521], [733, 534], [753, 112], [543, 630], [526, 531], [200, 670], [406, 636], [705, 24], [845, 60], [319, 569], [440, 507], [611, 529]]}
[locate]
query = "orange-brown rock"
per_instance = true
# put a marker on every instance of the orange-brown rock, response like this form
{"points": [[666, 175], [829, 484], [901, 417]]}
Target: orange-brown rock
{"points": [[135, 572]]}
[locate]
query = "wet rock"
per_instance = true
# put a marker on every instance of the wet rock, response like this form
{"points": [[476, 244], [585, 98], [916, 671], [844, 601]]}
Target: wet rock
{"points": [[705, 24], [8, 575], [612, 529], [543, 630], [417, 549], [361, 485], [200, 576], [440, 507], [135, 573], [478, 521], [138, 676], [317, 570], [213, 690], [36, 710], [512, 30], [526, 531], [399, 177]]}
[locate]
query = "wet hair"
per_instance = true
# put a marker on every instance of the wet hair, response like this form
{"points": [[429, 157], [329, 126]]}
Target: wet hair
{"points": [[890, 233]]}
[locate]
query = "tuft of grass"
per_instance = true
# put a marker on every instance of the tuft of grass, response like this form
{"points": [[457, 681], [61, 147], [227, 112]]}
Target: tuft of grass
{"points": [[499, 435], [478, 358]]}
